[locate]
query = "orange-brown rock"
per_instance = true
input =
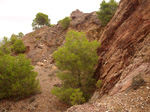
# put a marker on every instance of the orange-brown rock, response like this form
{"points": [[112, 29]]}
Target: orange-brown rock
{"points": [[86, 22], [42, 42], [124, 44]]}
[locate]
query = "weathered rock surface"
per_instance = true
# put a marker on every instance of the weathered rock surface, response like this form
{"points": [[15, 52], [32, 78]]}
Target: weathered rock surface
{"points": [[86, 22], [124, 54], [122, 46], [44, 41]]}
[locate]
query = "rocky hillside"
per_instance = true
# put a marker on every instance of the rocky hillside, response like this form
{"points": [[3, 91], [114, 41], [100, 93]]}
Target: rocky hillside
{"points": [[43, 42], [123, 55], [125, 46]]}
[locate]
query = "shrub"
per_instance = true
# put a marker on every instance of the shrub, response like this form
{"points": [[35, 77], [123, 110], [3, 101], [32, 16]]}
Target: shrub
{"points": [[107, 11], [13, 38], [69, 95], [63, 93], [17, 78], [99, 83], [4, 47], [77, 60], [18, 46], [137, 82], [65, 22], [77, 97]]}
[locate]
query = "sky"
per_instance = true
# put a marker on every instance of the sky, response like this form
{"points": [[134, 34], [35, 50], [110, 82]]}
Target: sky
{"points": [[17, 15]]}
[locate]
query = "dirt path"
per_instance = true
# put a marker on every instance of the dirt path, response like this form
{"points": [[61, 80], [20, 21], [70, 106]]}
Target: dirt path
{"points": [[44, 102]]}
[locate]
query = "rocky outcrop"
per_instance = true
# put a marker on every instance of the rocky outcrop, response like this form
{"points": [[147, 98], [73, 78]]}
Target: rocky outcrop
{"points": [[86, 22], [122, 46], [43, 42]]}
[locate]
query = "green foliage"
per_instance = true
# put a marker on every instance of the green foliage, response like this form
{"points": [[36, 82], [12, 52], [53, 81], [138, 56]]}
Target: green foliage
{"points": [[76, 60], [137, 82], [99, 83], [69, 95], [17, 78], [13, 38], [65, 22], [40, 21], [14, 44], [63, 93], [107, 11], [77, 97], [4, 47], [20, 35], [18, 46]]}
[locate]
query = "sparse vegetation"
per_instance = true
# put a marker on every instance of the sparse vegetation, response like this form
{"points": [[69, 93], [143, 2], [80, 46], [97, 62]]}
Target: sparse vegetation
{"points": [[99, 83], [76, 60], [65, 22], [17, 78], [107, 11]]}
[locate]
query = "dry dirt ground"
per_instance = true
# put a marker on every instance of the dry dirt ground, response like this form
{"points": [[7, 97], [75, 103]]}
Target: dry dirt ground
{"points": [[128, 101], [43, 102]]}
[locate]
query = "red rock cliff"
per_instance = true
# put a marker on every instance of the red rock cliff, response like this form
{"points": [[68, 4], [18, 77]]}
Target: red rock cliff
{"points": [[124, 43]]}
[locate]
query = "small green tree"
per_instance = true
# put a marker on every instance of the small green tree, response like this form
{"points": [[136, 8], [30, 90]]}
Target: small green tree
{"points": [[76, 60], [17, 78], [18, 46], [4, 46], [107, 11], [40, 21], [20, 35], [65, 22], [13, 38]]}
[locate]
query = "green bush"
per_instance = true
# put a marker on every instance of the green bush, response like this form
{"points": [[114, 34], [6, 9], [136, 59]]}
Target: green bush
{"points": [[65, 22], [76, 62], [107, 11], [13, 38], [18, 46], [4, 47], [17, 78], [69, 95], [99, 83], [77, 97], [63, 93]]}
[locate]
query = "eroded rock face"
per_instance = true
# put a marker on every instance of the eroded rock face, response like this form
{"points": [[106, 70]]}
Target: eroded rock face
{"points": [[122, 43], [44, 41], [124, 54], [86, 22]]}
